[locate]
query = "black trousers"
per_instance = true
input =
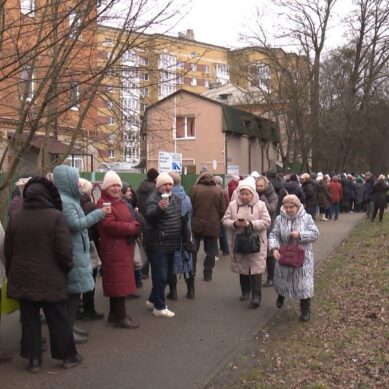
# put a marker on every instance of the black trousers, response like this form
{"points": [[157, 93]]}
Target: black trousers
{"points": [[73, 304], [88, 298], [117, 309], [381, 214], [211, 250], [60, 330], [270, 266]]}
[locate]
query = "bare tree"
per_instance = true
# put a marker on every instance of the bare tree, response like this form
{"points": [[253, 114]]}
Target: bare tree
{"points": [[53, 81]]}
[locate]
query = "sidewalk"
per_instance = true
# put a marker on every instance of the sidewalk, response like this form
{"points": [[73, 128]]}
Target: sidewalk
{"points": [[184, 352]]}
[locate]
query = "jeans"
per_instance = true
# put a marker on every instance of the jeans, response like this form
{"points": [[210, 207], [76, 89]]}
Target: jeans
{"points": [[223, 241], [211, 250], [161, 270], [335, 207]]}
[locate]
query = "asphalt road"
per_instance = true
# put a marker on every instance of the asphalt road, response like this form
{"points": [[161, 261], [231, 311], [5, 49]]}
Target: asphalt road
{"points": [[184, 352]]}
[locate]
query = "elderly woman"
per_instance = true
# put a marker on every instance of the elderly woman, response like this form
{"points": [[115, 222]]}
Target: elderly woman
{"points": [[380, 189], [39, 257], [117, 232], [294, 224], [248, 211]]}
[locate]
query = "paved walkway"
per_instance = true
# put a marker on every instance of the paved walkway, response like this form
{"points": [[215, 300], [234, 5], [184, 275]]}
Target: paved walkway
{"points": [[184, 352]]}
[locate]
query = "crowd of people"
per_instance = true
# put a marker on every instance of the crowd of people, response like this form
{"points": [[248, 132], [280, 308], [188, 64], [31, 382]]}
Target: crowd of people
{"points": [[57, 238]]}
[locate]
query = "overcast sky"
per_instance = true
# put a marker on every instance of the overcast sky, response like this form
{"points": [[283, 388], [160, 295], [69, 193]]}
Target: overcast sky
{"points": [[220, 21]]}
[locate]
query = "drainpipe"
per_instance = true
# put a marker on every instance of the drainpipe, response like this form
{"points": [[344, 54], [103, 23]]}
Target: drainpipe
{"points": [[225, 154]]}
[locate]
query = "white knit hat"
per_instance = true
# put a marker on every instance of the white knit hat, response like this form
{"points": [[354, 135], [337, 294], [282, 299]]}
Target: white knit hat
{"points": [[111, 178], [84, 185], [162, 179], [248, 184]]}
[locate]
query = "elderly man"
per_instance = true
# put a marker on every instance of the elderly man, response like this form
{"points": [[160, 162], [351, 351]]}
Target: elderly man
{"points": [[162, 239], [309, 188], [208, 209]]}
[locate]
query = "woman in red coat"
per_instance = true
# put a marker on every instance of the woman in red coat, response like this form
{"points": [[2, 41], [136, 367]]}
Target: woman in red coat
{"points": [[117, 243], [336, 194]]}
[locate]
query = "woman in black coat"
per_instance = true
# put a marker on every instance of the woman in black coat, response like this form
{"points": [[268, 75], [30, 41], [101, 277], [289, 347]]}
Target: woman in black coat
{"points": [[380, 189], [38, 252]]}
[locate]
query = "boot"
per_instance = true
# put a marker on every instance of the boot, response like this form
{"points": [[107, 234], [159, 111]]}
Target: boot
{"points": [[280, 301], [256, 293], [244, 286], [172, 295], [323, 218], [305, 309], [191, 286]]}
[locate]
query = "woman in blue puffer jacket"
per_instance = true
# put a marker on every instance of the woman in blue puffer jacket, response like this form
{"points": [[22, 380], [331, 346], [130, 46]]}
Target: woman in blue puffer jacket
{"points": [[80, 278]]}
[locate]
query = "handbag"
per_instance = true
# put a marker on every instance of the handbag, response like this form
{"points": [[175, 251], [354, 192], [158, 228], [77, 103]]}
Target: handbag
{"points": [[94, 255], [247, 242], [291, 255], [8, 304], [140, 256]]}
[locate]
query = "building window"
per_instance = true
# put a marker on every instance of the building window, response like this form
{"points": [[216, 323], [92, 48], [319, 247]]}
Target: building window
{"points": [[185, 127], [146, 76], [111, 153], [259, 75], [206, 83], [145, 92], [111, 105], [143, 107], [206, 69], [110, 88], [111, 120], [193, 82], [28, 82], [76, 162], [144, 61], [193, 67], [180, 65], [180, 79], [74, 25], [28, 7], [74, 95], [107, 42]]}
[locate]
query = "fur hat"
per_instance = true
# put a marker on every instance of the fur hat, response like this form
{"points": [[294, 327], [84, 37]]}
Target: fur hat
{"points": [[254, 174], [381, 177], [291, 199], [176, 178], [248, 184], [293, 177], [152, 174], [84, 185], [162, 179], [111, 178]]}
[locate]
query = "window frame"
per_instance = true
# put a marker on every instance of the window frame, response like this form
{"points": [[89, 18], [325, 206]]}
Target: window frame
{"points": [[188, 119]]}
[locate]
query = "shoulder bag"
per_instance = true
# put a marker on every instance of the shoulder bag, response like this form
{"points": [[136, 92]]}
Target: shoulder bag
{"points": [[247, 242]]}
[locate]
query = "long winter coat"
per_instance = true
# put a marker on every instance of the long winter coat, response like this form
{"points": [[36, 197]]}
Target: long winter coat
{"points": [[323, 195], [117, 232], [256, 212], [163, 231], [38, 246], [80, 279], [336, 191], [270, 198], [208, 206], [183, 261], [288, 281], [380, 189], [145, 189], [293, 187], [2, 258]]}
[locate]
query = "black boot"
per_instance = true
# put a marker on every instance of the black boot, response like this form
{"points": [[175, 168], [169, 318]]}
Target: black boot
{"points": [[244, 286], [305, 309], [172, 282], [256, 292], [191, 286], [280, 301]]}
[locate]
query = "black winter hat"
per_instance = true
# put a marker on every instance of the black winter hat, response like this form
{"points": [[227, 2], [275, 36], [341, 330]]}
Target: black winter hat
{"points": [[152, 174]]}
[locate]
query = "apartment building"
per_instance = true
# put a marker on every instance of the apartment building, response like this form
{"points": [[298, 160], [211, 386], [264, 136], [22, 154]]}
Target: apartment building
{"points": [[47, 110]]}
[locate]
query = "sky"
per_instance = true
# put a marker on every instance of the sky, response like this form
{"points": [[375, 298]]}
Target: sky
{"points": [[219, 22]]}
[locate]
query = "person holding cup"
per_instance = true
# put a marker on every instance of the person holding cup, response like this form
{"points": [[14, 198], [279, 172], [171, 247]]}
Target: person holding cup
{"points": [[162, 238], [117, 244]]}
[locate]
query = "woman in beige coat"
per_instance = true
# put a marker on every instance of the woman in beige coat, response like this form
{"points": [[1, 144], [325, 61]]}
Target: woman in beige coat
{"points": [[245, 210]]}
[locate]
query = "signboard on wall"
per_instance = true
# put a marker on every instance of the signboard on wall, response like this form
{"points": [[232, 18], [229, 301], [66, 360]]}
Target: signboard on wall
{"points": [[169, 162], [233, 170]]}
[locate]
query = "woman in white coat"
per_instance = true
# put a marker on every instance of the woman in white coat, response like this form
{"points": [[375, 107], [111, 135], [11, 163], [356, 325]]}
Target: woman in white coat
{"points": [[248, 210], [294, 224]]}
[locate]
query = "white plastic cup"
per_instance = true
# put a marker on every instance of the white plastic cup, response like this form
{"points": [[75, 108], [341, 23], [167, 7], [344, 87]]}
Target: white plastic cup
{"points": [[106, 204], [165, 196]]}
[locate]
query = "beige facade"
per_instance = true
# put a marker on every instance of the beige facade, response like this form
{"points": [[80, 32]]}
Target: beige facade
{"points": [[208, 135]]}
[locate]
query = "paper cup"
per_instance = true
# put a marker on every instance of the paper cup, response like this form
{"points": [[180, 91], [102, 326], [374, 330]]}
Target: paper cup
{"points": [[106, 204], [165, 196]]}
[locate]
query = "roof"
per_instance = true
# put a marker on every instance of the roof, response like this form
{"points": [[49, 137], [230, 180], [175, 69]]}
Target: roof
{"points": [[235, 121]]}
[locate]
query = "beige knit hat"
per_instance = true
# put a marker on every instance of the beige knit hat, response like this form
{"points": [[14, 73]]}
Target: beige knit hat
{"points": [[84, 185], [291, 199], [111, 178], [162, 179]]}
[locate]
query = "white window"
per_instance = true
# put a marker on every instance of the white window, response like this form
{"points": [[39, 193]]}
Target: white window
{"points": [[193, 82], [28, 7], [111, 153], [143, 107], [74, 25], [259, 75], [167, 61], [111, 105], [145, 92], [144, 61], [75, 161], [180, 79], [180, 65], [193, 67], [27, 82], [111, 120], [206, 83], [110, 71], [185, 127], [74, 95], [107, 42]]}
